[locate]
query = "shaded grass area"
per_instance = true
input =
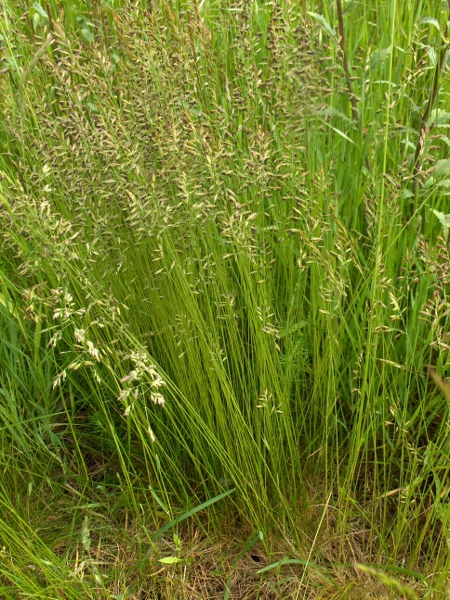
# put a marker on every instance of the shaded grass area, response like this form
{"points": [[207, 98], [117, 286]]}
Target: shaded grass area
{"points": [[224, 279]]}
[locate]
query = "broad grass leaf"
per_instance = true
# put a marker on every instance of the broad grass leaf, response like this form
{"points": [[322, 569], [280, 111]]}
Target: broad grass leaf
{"points": [[38, 8], [431, 21], [442, 167], [87, 35], [438, 117], [8, 305], [324, 23], [170, 560], [443, 218], [379, 56]]}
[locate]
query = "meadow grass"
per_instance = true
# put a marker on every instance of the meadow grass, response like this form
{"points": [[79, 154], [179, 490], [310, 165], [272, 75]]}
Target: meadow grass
{"points": [[224, 299]]}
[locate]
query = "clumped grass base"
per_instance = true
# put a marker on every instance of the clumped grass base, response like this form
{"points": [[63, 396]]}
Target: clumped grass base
{"points": [[224, 300]]}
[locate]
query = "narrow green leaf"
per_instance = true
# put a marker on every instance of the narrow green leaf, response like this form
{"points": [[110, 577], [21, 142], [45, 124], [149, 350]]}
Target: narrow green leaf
{"points": [[159, 501], [190, 513]]}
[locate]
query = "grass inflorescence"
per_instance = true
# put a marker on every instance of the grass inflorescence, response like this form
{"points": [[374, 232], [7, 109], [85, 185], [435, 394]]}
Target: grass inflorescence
{"points": [[224, 299]]}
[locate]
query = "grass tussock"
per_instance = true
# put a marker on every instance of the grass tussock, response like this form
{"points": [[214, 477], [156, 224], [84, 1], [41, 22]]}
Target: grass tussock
{"points": [[224, 300]]}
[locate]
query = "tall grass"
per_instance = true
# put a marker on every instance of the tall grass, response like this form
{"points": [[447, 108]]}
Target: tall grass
{"points": [[225, 276]]}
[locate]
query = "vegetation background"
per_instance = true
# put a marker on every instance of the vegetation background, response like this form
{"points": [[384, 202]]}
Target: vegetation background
{"points": [[224, 303]]}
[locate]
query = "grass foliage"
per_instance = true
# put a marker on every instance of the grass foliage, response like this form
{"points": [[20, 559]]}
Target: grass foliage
{"points": [[224, 299]]}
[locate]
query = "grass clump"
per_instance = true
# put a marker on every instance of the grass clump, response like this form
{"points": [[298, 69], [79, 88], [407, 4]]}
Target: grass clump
{"points": [[224, 284]]}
